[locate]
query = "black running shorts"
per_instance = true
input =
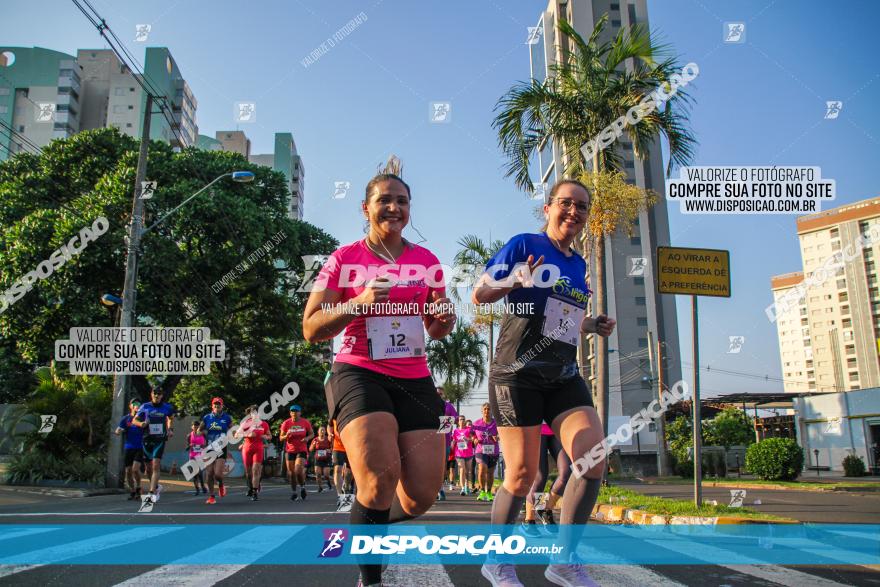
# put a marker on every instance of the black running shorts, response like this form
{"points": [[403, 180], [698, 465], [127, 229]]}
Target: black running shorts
{"points": [[354, 391], [527, 399]]}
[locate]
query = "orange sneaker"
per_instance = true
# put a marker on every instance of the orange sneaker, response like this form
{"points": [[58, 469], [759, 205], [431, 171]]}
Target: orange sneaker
{"points": [[222, 491], [211, 500]]}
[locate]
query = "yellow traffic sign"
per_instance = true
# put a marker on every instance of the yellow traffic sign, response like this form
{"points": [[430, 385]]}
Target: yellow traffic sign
{"points": [[693, 272]]}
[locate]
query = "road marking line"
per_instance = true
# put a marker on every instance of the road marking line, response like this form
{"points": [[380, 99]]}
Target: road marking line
{"points": [[422, 575], [191, 571], [783, 576], [25, 532], [209, 512], [55, 554], [629, 576]]}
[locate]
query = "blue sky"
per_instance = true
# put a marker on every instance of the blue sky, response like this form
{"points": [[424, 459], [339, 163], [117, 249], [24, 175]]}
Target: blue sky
{"points": [[757, 103]]}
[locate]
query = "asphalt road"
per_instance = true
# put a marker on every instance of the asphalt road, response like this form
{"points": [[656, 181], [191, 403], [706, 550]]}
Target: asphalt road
{"points": [[837, 507], [18, 508]]}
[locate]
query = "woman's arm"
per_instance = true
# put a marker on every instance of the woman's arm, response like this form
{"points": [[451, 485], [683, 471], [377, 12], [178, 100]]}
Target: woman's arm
{"points": [[325, 317], [489, 291]]}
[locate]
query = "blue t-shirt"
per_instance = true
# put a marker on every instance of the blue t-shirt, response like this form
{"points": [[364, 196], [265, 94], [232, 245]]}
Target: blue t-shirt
{"points": [[134, 436], [155, 417], [541, 324], [216, 426]]}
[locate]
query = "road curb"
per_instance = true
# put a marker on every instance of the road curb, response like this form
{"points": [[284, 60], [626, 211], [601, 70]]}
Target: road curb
{"points": [[620, 514], [63, 491]]}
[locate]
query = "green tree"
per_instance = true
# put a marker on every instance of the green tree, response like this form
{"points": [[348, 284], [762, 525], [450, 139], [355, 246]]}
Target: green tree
{"points": [[460, 358], [473, 256], [46, 199], [596, 84], [729, 427]]}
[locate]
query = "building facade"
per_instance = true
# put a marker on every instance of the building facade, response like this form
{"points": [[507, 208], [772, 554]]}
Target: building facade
{"points": [[40, 98], [643, 316], [828, 315]]}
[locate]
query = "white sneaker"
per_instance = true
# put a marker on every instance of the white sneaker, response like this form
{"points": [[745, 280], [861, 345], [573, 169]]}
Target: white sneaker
{"points": [[501, 575], [158, 491], [569, 575]]}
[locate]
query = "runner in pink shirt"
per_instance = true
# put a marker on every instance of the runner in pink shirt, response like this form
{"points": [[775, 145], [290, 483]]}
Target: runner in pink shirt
{"points": [[463, 448], [384, 293], [487, 450]]}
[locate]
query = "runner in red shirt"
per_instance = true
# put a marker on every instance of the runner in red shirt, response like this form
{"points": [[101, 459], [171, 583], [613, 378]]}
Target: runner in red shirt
{"points": [[322, 447], [254, 430], [296, 433]]}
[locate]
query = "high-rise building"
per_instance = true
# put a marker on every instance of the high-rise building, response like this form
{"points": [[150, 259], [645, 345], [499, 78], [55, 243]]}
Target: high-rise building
{"points": [[286, 160], [828, 316], [39, 98], [46, 95], [643, 316], [113, 97]]}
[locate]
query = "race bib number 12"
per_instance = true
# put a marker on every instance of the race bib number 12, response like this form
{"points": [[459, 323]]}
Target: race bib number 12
{"points": [[391, 337]]}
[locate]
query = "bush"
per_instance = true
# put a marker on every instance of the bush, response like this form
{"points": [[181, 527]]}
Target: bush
{"points": [[853, 466], [36, 464], [775, 459]]}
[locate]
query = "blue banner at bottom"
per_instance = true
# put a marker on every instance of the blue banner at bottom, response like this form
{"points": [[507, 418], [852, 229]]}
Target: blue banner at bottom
{"points": [[209, 544]]}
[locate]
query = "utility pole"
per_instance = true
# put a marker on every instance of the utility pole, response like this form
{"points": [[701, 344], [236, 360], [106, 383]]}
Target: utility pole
{"points": [[122, 382], [660, 422]]}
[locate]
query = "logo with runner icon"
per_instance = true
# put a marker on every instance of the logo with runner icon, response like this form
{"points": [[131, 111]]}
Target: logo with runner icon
{"points": [[395, 324], [333, 542], [147, 504]]}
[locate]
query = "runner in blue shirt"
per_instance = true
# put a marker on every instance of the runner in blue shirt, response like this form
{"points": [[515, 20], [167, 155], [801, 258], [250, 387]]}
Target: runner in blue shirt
{"points": [[156, 419], [216, 424], [534, 375], [134, 449]]}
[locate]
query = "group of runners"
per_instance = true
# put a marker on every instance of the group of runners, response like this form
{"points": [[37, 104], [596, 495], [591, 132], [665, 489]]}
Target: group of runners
{"points": [[150, 425], [382, 397]]}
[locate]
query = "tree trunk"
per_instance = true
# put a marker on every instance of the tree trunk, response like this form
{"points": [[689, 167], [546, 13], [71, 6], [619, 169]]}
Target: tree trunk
{"points": [[491, 339]]}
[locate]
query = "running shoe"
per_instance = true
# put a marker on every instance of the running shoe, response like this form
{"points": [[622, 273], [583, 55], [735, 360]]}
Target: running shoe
{"points": [[222, 490], [250, 493], [197, 490], [211, 500], [158, 492], [569, 575], [530, 528], [441, 496], [501, 575], [302, 493], [463, 491], [329, 485], [293, 495], [131, 496], [320, 489], [255, 496], [547, 517]]}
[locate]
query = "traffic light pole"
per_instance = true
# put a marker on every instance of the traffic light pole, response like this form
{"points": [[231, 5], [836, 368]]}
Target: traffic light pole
{"points": [[122, 382]]}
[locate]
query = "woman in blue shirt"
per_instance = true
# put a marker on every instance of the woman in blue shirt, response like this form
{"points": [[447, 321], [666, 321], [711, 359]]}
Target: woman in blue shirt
{"points": [[534, 376]]}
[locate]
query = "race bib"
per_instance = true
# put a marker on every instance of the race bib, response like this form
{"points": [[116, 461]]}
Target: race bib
{"points": [[391, 337], [488, 449], [562, 321], [321, 453], [462, 445], [157, 429]]}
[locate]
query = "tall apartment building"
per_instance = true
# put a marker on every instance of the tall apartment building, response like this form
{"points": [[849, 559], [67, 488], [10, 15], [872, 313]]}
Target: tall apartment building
{"points": [[632, 299], [39, 97], [828, 315], [284, 158], [113, 97], [46, 95]]}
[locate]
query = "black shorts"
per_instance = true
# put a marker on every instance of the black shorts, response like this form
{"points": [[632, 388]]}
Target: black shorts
{"points": [[324, 463], [354, 391], [132, 455], [487, 460], [527, 399], [292, 456], [154, 448], [340, 458]]}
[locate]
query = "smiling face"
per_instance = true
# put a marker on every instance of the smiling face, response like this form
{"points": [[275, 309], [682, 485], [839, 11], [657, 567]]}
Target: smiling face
{"points": [[568, 211], [387, 207], [461, 421], [486, 413]]}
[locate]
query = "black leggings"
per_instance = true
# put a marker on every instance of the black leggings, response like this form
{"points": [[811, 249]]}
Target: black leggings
{"points": [[550, 445]]}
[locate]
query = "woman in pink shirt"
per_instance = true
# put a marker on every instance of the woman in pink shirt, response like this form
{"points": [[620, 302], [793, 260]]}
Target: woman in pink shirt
{"points": [[384, 293], [463, 449]]}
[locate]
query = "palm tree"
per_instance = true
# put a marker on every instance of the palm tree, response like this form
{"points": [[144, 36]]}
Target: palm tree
{"points": [[461, 359], [473, 255], [594, 85]]}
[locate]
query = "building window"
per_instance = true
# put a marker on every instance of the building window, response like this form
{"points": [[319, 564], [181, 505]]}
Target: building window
{"points": [[615, 22], [640, 301], [854, 376], [635, 240], [844, 309], [851, 363], [850, 349], [615, 6], [843, 297], [841, 284], [641, 321], [643, 343], [639, 280], [118, 91], [834, 232], [847, 323]]}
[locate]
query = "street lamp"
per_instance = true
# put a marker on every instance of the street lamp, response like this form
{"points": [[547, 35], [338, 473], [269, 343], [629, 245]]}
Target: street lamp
{"points": [[237, 176], [121, 384], [112, 303]]}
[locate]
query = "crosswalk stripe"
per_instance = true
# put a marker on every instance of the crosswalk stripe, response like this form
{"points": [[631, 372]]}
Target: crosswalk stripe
{"points": [[191, 570], [55, 554], [857, 534], [743, 564], [25, 532], [629, 576]]}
